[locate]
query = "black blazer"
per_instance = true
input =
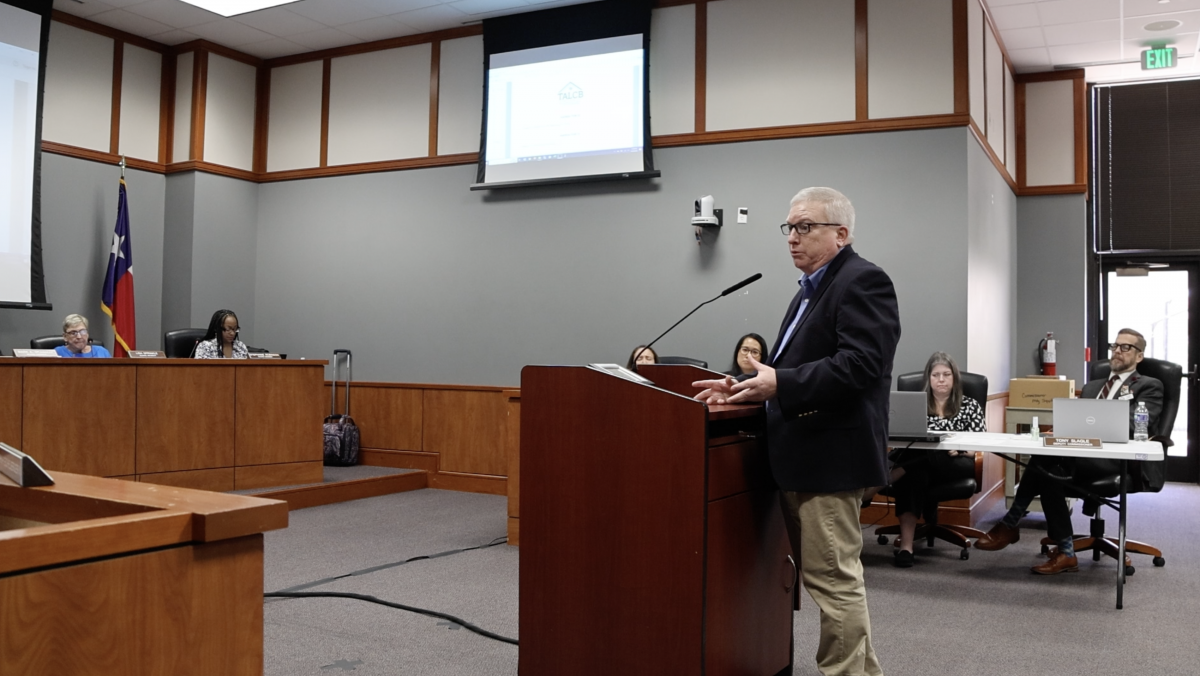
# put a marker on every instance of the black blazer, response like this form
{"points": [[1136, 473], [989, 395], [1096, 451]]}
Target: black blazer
{"points": [[827, 425], [1142, 388]]}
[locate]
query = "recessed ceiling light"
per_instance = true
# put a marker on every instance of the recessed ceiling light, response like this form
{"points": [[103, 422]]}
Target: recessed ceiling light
{"points": [[1163, 25], [235, 7]]}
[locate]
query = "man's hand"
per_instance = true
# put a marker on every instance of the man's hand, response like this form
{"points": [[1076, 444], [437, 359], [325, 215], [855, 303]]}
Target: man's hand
{"points": [[728, 391]]}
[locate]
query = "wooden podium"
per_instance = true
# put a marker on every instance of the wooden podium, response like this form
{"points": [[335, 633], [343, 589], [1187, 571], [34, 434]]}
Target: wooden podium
{"points": [[652, 540]]}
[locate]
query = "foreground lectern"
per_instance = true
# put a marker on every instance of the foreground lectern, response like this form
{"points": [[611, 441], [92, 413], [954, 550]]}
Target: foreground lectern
{"points": [[652, 540]]}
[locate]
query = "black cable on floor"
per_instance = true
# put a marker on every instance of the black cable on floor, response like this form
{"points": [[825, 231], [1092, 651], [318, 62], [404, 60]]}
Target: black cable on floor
{"points": [[400, 606]]}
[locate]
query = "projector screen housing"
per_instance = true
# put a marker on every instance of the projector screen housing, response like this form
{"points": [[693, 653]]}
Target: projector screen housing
{"points": [[566, 96]]}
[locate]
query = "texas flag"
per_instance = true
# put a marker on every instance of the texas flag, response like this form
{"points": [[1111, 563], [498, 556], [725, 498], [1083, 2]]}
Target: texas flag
{"points": [[117, 299]]}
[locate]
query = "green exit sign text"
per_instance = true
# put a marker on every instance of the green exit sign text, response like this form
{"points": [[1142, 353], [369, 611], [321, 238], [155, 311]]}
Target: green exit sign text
{"points": [[1162, 57]]}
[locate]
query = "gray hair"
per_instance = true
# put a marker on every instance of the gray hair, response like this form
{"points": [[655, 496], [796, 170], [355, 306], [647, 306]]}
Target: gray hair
{"points": [[1139, 340], [838, 208], [72, 320]]}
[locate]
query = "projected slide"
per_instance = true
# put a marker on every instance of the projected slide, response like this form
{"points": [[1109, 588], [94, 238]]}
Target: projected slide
{"points": [[19, 35], [566, 110]]}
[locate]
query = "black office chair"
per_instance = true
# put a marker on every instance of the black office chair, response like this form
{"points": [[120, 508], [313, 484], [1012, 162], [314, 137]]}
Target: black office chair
{"points": [[178, 344], [960, 485], [52, 342], [1142, 477], [688, 361]]}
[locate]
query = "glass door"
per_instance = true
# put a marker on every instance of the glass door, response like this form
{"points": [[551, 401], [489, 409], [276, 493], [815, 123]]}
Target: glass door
{"points": [[1157, 299]]}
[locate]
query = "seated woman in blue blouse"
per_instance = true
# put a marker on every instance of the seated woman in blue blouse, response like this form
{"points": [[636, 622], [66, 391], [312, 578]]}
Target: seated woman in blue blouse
{"points": [[75, 335], [221, 339], [915, 469]]}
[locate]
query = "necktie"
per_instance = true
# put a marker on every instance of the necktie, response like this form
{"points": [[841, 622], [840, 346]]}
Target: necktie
{"points": [[1108, 386]]}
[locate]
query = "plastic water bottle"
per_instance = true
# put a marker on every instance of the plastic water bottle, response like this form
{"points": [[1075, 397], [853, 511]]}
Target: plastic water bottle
{"points": [[1141, 422]]}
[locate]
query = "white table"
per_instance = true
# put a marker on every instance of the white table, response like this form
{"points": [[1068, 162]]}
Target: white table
{"points": [[1013, 444]]}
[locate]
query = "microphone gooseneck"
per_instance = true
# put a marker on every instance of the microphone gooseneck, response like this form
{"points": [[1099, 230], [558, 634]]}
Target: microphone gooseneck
{"points": [[745, 282]]}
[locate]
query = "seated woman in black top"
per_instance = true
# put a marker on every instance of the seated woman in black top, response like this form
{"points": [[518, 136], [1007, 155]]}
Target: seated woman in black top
{"points": [[916, 470], [749, 345]]}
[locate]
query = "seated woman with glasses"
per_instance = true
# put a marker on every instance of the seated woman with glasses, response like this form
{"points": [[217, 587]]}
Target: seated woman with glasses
{"points": [[75, 337], [221, 339], [749, 345]]}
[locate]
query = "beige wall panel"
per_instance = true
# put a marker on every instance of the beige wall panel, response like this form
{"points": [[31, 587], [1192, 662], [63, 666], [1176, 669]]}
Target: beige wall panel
{"points": [[379, 105], [460, 95], [1050, 133], [993, 64], [141, 83], [673, 70], [294, 130], [911, 58], [779, 62], [77, 108], [181, 147], [975, 28], [1010, 124], [229, 113]]}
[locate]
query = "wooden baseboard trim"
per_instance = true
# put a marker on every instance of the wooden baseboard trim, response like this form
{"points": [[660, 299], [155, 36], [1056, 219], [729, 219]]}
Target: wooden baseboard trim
{"points": [[378, 457], [345, 491], [514, 531], [470, 483]]}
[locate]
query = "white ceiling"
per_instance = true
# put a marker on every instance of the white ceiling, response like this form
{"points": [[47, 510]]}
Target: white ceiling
{"points": [[1106, 36], [298, 27]]}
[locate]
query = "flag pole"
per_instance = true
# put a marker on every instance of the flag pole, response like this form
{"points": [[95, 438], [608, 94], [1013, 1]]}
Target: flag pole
{"points": [[122, 167]]}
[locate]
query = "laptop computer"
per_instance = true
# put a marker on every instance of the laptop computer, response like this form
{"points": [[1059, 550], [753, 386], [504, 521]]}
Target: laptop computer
{"points": [[1103, 419], [907, 418]]}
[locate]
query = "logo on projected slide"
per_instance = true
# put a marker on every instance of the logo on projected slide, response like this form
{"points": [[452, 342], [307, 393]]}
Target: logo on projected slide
{"points": [[571, 92]]}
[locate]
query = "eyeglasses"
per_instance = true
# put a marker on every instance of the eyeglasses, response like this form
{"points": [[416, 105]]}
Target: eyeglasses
{"points": [[226, 329], [1122, 347], [750, 351], [803, 228], [78, 332]]}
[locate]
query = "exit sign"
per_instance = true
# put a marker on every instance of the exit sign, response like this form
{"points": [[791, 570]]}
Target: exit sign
{"points": [[1162, 57]]}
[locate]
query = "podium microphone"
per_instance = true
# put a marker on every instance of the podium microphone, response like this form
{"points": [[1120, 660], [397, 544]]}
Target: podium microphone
{"points": [[745, 282]]}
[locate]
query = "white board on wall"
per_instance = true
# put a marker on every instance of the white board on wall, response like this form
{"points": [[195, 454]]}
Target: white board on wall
{"points": [[460, 95], [779, 62], [181, 145], [673, 70], [294, 127], [141, 102], [1050, 133], [379, 105], [910, 58], [229, 113], [77, 108]]}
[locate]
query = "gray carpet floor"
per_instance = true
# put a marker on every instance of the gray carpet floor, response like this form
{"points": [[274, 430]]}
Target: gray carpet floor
{"points": [[987, 615]]}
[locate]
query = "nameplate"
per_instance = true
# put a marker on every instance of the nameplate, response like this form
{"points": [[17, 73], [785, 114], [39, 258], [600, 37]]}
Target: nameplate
{"points": [[147, 354], [1071, 442], [21, 468], [26, 352], [264, 355]]}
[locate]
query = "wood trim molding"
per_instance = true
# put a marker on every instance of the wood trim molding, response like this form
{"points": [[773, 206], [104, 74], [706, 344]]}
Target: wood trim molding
{"points": [[262, 117], [166, 109], [220, 50], [1080, 102], [1065, 189], [435, 69], [326, 69], [210, 168], [987, 148], [470, 483], [802, 130], [1019, 125], [101, 156], [861, 71], [1051, 76], [376, 46], [369, 167], [199, 94], [962, 74], [108, 31], [118, 67], [701, 67]]}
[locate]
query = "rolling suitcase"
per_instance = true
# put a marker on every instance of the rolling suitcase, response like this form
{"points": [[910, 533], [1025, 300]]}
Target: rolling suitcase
{"points": [[341, 434]]}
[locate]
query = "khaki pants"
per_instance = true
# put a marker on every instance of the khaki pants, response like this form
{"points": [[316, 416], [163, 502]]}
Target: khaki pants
{"points": [[826, 540]]}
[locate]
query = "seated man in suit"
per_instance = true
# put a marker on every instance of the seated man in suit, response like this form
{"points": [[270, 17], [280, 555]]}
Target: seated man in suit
{"points": [[1124, 383]]}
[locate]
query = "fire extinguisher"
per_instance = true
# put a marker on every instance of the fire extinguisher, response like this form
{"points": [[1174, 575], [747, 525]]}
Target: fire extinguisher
{"points": [[1047, 355]]}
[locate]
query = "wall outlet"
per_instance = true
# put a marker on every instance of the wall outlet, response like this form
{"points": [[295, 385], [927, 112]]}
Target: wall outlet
{"points": [[743, 215]]}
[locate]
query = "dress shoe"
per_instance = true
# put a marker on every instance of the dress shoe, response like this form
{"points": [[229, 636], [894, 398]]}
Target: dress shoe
{"points": [[999, 537], [1058, 564], [903, 559]]}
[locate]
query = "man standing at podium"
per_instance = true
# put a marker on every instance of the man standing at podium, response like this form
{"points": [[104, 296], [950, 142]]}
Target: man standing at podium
{"points": [[826, 394]]}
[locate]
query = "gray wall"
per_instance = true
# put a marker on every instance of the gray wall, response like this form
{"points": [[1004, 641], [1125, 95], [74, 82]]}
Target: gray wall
{"points": [[177, 251], [428, 282], [1052, 247], [79, 212], [991, 270]]}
